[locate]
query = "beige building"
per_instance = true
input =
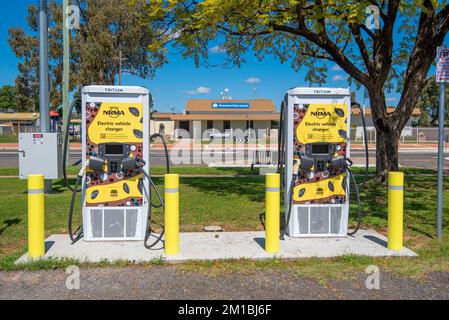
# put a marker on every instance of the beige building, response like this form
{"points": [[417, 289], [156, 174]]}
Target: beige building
{"points": [[162, 122], [15, 122], [219, 118]]}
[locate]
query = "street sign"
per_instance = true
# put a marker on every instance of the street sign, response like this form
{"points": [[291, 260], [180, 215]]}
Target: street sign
{"points": [[230, 105], [443, 65]]}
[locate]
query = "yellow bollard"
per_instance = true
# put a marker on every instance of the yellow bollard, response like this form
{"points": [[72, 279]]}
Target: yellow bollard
{"points": [[36, 216], [172, 214], [272, 213], [396, 211]]}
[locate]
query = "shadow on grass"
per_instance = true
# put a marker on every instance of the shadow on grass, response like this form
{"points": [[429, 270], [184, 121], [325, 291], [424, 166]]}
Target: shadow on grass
{"points": [[9, 224], [251, 187], [60, 186], [419, 204]]}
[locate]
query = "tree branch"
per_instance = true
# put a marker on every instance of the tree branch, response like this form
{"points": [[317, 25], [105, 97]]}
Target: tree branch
{"points": [[355, 30], [330, 47], [442, 23], [383, 44]]}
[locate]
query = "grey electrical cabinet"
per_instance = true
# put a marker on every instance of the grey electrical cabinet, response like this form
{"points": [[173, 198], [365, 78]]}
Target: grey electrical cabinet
{"points": [[40, 153]]}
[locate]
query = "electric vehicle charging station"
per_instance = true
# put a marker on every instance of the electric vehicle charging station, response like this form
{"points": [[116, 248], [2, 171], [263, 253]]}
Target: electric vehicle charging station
{"points": [[116, 130], [116, 186], [115, 181], [316, 137]]}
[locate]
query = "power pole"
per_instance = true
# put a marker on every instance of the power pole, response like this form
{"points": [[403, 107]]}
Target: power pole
{"points": [[120, 59], [44, 91], [66, 67]]}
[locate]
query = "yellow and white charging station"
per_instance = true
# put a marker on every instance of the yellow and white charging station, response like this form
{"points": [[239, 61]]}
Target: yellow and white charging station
{"points": [[316, 130], [115, 182], [116, 128]]}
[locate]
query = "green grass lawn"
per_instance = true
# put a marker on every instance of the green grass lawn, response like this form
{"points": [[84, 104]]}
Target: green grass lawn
{"points": [[237, 203], [204, 201], [14, 172], [8, 139]]}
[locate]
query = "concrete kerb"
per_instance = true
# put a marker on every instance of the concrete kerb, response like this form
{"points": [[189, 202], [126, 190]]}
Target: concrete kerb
{"points": [[220, 246]]}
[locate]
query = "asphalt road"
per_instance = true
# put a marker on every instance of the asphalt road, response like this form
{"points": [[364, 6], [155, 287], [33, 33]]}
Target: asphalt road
{"points": [[416, 159], [173, 283]]}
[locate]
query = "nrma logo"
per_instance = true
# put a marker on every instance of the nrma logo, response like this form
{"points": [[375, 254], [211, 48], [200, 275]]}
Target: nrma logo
{"points": [[113, 112], [321, 113]]}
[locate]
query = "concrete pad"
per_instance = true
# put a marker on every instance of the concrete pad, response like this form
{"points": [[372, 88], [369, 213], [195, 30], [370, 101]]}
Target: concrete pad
{"points": [[221, 246]]}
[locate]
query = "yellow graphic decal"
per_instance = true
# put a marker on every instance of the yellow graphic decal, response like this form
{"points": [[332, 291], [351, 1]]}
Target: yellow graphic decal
{"points": [[325, 123], [117, 122], [320, 123], [114, 192], [323, 189]]}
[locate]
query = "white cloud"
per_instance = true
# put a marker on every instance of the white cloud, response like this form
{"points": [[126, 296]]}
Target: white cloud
{"points": [[203, 90], [253, 80], [336, 68], [199, 90], [217, 49], [391, 99], [338, 77]]}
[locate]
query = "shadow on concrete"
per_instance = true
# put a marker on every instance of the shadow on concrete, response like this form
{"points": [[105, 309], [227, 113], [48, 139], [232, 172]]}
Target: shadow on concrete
{"points": [[377, 240], [48, 245], [260, 242]]}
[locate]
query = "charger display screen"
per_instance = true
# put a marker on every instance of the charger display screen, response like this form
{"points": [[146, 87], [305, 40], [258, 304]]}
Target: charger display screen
{"points": [[320, 149], [114, 149]]}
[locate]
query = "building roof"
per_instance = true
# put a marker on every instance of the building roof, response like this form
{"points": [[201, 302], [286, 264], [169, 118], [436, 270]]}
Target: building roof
{"points": [[206, 106], [226, 117], [356, 111], [19, 116], [162, 116], [260, 110]]}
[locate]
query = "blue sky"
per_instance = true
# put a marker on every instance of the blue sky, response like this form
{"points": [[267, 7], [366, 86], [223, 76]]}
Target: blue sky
{"points": [[180, 79]]}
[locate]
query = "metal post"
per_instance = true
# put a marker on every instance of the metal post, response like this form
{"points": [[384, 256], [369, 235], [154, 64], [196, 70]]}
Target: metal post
{"points": [[44, 87], [440, 160], [66, 66], [417, 134]]}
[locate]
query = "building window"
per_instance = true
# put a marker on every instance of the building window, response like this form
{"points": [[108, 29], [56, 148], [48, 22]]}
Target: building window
{"points": [[184, 125], [274, 125], [227, 125], [249, 125], [210, 125]]}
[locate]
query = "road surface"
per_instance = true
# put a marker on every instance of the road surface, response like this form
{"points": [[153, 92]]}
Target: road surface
{"points": [[416, 159]]}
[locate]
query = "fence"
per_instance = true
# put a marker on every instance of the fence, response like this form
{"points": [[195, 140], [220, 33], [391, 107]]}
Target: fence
{"points": [[409, 135], [421, 136], [10, 131]]}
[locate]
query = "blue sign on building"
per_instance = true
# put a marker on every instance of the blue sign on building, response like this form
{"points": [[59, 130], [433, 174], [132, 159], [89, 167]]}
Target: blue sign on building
{"points": [[230, 105]]}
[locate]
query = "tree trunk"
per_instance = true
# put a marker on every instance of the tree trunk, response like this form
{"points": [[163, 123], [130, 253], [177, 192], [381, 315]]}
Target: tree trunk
{"points": [[388, 135], [387, 156]]}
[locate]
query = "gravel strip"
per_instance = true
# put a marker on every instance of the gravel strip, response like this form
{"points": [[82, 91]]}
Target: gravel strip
{"points": [[168, 282]]}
